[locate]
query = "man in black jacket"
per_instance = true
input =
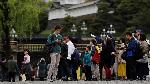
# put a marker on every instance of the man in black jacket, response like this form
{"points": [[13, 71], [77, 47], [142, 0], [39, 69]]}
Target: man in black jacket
{"points": [[63, 70]]}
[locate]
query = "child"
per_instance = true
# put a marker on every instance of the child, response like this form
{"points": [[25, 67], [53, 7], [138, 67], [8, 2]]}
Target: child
{"points": [[121, 62], [26, 64], [87, 63]]}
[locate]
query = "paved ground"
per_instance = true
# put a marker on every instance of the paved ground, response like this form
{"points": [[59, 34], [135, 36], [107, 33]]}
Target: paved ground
{"points": [[80, 82]]}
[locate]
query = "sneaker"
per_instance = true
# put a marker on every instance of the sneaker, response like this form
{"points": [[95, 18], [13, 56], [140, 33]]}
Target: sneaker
{"points": [[64, 79], [50, 80], [69, 79], [54, 78]]}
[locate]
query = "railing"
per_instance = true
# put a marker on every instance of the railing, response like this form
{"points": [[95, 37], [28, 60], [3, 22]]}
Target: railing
{"points": [[31, 47], [39, 47]]}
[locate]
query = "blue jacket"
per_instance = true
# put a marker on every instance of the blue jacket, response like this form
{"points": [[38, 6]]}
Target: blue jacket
{"points": [[132, 47], [87, 58]]}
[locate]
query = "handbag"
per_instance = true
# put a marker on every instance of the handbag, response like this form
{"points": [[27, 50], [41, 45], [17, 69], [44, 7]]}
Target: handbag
{"points": [[23, 77]]}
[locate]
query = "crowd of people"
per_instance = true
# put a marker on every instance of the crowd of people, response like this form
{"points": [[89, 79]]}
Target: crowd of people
{"points": [[125, 60]]}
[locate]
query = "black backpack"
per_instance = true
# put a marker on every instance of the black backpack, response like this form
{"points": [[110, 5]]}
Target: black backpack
{"points": [[48, 47], [75, 56], [138, 52]]}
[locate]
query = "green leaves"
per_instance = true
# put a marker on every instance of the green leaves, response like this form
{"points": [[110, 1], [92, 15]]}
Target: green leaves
{"points": [[135, 11], [24, 15], [127, 14], [67, 23]]}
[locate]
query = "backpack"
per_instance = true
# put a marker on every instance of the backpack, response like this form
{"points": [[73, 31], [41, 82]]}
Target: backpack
{"points": [[75, 56], [96, 56], [138, 52], [48, 48]]}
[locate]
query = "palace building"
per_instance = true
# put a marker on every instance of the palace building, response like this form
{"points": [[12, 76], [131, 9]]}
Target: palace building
{"points": [[74, 8]]}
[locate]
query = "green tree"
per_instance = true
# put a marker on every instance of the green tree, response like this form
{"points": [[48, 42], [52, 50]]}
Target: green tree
{"points": [[67, 24], [135, 13], [127, 14], [22, 15], [104, 16]]}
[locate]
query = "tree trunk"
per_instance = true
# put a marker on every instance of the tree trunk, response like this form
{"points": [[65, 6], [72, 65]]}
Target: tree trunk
{"points": [[5, 28], [6, 43]]}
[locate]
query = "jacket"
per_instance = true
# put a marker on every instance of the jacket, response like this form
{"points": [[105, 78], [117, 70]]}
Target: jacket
{"points": [[132, 47], [12, 66], [144, 47], [52, 40], [87, 58], [42, 69]]}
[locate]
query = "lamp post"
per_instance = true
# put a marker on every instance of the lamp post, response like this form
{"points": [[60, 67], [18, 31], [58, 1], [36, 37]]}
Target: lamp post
{"points": [[111, 30], [84, 29], [103, 34], [13, 34], [73, 29]]}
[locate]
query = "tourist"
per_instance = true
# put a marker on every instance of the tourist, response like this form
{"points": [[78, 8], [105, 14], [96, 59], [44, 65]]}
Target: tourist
{"points": [[27, 65], [130, 57], [87, 63], [121, 62], [71, 49], [54, 40], [95, 59], [75, 63], [63, 69], [107, 55], [12, 69], [42, 69], [142, 69]]}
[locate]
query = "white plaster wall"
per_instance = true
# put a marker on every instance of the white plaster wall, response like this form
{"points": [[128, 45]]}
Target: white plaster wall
{"points": [[83, 11], [71, 1], [61, 13], [56, 14]]}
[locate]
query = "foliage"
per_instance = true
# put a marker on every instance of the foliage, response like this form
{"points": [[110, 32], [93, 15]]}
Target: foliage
{"points": [[127, 14], [104, 16], [136, 13], [67, 23], [46, 32], [43, 21], [24, 15]]}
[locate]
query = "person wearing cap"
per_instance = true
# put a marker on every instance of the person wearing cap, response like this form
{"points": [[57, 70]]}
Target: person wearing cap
{"points": [[137, 34]]}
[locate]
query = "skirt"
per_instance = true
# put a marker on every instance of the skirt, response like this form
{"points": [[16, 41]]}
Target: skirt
{"points": [[122, 70]]}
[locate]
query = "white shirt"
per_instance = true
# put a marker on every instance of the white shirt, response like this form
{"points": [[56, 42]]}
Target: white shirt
{"points": [[26, 59], [71, 49]]}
